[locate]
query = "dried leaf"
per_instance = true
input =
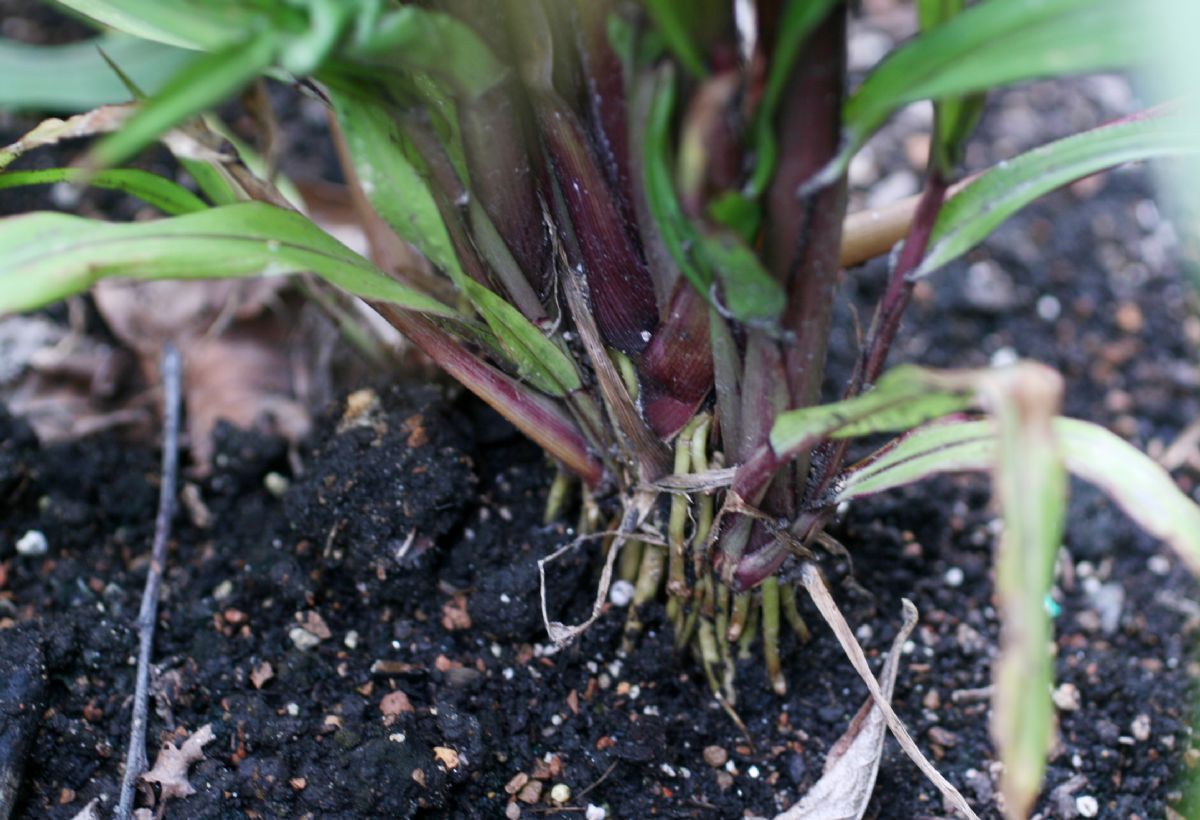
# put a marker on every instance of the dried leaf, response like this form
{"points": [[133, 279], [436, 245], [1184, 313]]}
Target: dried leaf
{"points": [[810, 576], [844, 790], [171, 765], [235, 346]]}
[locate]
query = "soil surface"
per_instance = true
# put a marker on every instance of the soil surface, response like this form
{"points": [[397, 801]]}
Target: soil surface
{"points": [[358, 621]]}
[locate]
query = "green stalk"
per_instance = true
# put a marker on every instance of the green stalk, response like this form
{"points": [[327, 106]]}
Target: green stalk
{"points": [[556, 498], [792, 613], [770, 629], [649, 579], [739, 616], [750, 632]]}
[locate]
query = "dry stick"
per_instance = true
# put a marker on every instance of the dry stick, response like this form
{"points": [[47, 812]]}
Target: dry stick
{"points": [[135, 759]]}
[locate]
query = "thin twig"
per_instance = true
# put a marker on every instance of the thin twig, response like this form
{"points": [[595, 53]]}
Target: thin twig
{"points": [[135, 759]]}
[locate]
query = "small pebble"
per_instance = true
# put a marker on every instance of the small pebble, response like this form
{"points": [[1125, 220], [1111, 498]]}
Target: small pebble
{"points": [[943, 737], [512, 811], [1140, 728], [595, 812], [302, 638], [1087, 806], [276, 484], [1048, 308], [1159, 564], [1066, 697], [621, 593], [351, 639], [32, 544], [223, 590], [561, 793], [715, 756], [531, 793], [1004, 357], [953, 577]]}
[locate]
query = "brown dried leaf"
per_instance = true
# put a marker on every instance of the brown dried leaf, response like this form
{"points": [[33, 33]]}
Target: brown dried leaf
{"points": [[815, 584], [845, 788], [235, 340], [102, 120], [171, 765]]}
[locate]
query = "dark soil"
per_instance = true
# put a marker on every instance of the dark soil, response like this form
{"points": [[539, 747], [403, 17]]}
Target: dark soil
{"points": [[403, 559]]}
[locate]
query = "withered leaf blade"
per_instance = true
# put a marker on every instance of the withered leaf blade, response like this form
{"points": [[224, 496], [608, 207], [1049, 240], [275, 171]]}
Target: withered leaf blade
{"points": [[844, 790]]}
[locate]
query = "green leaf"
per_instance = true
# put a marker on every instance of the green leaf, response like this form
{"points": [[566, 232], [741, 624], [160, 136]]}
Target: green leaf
{"points": [[974, 212], [74, 77], [416, 39], [954, 117], [45, 257], [207, 81], [797, 22], [751, 295], [169, 197], [1138, 484], [670, 18], [207, 25], [400, 194], [1028, 454], [939, 447], [904, 397], [994, 43]]}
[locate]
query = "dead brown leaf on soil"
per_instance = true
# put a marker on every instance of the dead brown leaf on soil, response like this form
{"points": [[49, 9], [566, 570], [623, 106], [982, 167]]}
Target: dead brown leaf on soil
{"points": [[171, 766], [845, 788]]}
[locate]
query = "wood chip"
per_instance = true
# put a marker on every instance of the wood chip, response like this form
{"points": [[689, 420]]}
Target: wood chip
{"points": [[262, 673], [455, 616], [393, 705], [314, 624], [446, 756], [531, 793]]}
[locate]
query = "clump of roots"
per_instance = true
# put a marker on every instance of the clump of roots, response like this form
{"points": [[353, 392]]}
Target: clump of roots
{"points": [[717, 625]]}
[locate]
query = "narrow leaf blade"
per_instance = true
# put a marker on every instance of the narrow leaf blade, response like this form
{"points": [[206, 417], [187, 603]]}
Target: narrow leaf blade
{"points": [[904, 397], [206, 81], [45, 257], [994, 43], [1142, 488], [74, 77], [169, 197], [970, 215]]}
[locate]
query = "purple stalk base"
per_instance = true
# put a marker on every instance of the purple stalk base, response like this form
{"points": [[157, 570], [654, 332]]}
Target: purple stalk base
{"points": [[604, 77], [619, 284], [537, 417], [677, 366]]}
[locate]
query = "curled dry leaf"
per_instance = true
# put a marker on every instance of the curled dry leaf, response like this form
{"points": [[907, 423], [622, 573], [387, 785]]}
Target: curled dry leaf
{"points": [[171, 766], [845, 788], [816, 587], [235, 340]]}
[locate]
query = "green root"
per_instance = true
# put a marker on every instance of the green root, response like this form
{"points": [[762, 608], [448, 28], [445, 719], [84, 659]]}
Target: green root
{"points": [[716, 626]]}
